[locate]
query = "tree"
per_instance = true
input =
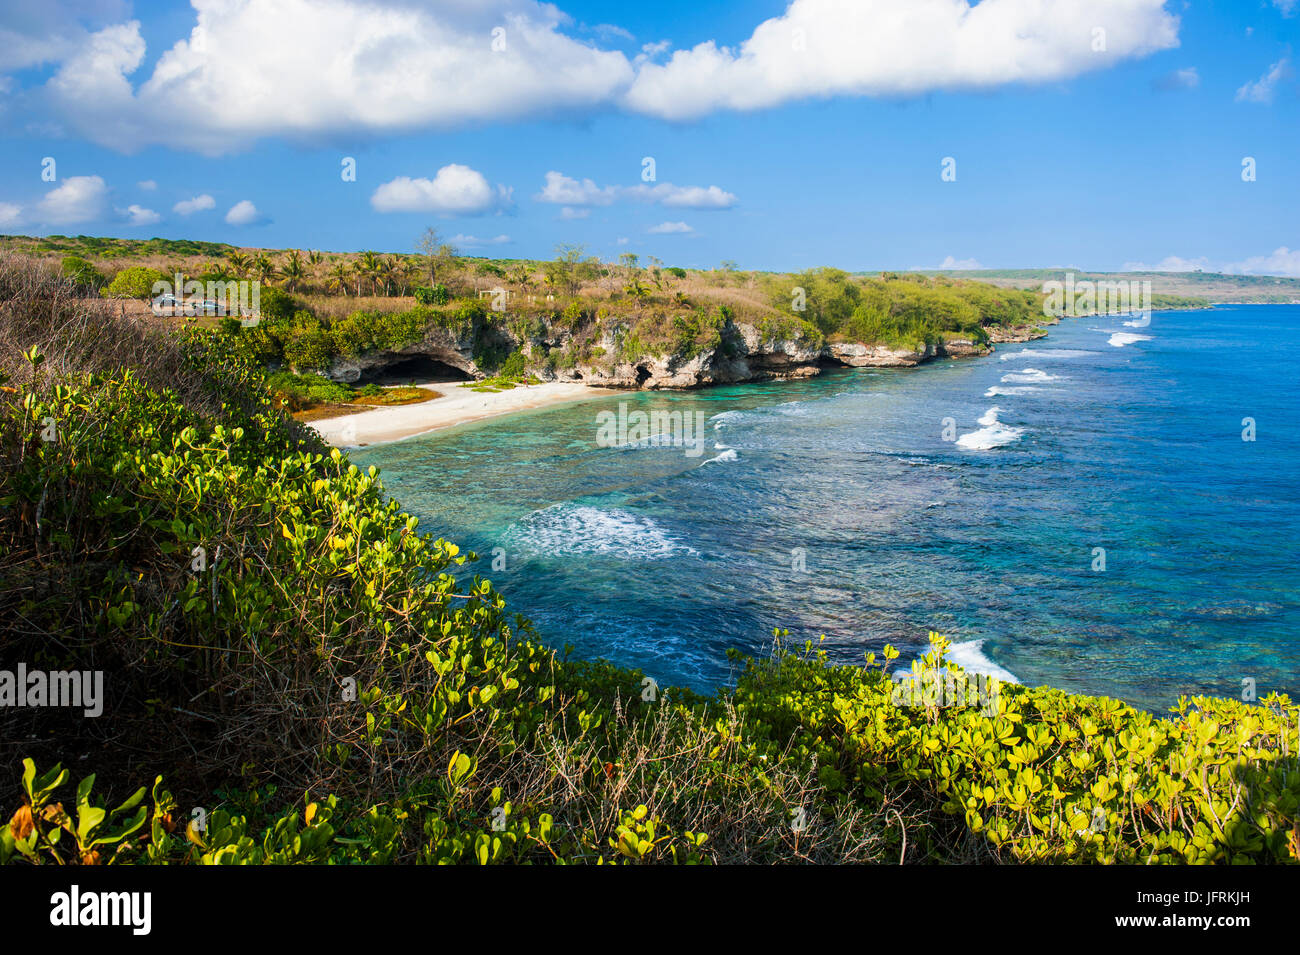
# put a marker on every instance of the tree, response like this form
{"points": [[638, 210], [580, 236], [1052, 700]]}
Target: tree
{"points": [[339, 276], [437, 254], [369, 267], [293, 270]]}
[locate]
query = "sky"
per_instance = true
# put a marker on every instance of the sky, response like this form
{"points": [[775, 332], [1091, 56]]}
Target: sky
{"points": [[860, 134]]}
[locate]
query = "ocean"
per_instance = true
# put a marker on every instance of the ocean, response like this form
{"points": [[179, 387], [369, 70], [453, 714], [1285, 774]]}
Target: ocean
{"points": [[1112, 510]]}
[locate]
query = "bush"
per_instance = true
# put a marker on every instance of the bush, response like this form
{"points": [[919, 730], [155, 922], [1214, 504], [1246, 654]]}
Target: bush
{"points": [[135, 282], [437, 295], [82, 272], [277, 304]]}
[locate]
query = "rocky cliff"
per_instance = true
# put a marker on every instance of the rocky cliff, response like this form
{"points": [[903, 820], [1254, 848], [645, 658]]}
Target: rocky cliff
{"points": [[741, 353]]}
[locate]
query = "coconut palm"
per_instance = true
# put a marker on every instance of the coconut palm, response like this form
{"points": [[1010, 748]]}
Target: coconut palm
{"points": [[369, 266], [240, 262], [293, 270], [339, 276], [264, 268]]}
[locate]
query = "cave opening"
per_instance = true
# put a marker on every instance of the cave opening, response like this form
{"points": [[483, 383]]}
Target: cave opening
{"points": [[417, 369], [642, 375]]}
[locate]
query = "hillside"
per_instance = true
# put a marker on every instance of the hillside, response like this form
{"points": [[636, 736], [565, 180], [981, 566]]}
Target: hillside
{"points": [[295, 671]]}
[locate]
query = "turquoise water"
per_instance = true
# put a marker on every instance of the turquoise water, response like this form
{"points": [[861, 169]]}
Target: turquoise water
{"points": [[654, 558]]}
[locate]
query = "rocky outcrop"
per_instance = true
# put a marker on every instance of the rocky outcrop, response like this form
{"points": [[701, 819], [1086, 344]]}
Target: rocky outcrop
{"points": [[743, 353], [1001, 335]]}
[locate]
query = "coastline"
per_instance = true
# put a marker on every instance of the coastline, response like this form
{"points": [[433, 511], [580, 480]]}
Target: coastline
{"points": [[456, 404]]}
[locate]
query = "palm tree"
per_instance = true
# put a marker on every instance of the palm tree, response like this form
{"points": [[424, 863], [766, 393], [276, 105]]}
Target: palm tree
{"points": [[369, 265], [264, 268], [339, 276], [240, 262], [293, 270]]}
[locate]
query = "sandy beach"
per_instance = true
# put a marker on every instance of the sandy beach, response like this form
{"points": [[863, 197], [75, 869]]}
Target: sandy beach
{"points": [[456, 404]]}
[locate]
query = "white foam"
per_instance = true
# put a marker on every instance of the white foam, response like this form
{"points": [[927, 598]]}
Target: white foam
{"points": [[970, 657], [1120, 339], [997, 390], [992, 434], [727, 455], [1028, 376], [580, 529], [1048, 353]]}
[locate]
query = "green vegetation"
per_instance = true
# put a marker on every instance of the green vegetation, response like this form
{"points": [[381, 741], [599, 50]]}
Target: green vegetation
{"points": [[135, 282], [285, 649]]}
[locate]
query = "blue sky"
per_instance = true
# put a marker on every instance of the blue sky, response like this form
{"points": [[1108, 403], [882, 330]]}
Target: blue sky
{"points": [[810, 133]]}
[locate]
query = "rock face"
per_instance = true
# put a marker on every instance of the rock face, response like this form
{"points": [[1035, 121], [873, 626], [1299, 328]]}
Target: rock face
{"points": [[743, 353], [437, 345]]}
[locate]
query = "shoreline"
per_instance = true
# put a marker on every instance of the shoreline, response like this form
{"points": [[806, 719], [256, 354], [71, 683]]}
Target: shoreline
{"points": [[457, 404]]}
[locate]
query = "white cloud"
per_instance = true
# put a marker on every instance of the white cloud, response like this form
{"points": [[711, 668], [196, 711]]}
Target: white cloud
{"points": [[198, 204], [471, 241], [148, 185], [820, 48], [949, 263], [138, 215], [352, 65], [1264, 88], [455, 190], [389, 66], [47, 32], [10, 215], [1281, 261], [243, 212], [1170, 263], [569, 212], [1287, 7], [670, 228], [563, 190], [78, 199]]}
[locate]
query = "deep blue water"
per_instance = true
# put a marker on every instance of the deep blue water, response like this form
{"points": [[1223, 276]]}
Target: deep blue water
{"points": [[653, 558]]}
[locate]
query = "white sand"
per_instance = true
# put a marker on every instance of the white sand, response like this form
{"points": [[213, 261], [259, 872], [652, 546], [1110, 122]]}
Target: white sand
{"points": [[457, 405]]}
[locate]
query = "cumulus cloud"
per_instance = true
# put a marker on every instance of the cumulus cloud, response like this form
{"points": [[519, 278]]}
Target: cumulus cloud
{"points": [[1265, 88], [32, 34], [670, 228], [352, 65], [10, 215], [950, 264], [820, 48], [138, 215], [1281, 261], [198, 204], [243, 213], [78, 199], [455, 190], [563, 190], [388, 66]]}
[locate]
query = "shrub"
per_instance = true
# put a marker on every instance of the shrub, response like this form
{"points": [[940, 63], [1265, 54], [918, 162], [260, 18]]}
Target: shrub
{"points": [[82, 272], [135, 282], [437, 295]]}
